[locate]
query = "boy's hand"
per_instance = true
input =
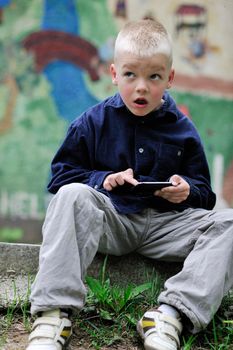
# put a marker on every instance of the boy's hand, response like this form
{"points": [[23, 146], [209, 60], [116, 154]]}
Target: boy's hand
{"points": [[177, 193], [118, 179]]}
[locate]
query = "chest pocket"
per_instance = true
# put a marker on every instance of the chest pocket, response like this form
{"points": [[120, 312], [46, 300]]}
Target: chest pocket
{"points": [[169, 158]]}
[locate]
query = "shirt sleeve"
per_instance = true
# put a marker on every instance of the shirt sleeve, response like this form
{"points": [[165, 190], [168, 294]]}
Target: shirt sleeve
{"points": [[196, 172], [74, 162]]}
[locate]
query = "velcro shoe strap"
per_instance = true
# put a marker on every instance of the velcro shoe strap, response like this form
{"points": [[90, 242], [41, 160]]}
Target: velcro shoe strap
{"points": [[52, 321], [50, 334], [171, 333], [172, 321], [167, 326], [42, 333]]}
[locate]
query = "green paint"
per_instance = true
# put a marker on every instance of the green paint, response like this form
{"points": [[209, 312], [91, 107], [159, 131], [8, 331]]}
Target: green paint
{"points": [[214, 121], [8, 234], [96, 22]]}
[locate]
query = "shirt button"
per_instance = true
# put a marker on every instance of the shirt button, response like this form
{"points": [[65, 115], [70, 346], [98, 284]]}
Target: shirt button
{"points": [[179, 153], [140, 150], [95, 187]]}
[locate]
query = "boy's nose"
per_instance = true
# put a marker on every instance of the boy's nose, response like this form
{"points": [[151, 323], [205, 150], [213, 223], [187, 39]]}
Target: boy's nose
{"points": [[141, 86]]}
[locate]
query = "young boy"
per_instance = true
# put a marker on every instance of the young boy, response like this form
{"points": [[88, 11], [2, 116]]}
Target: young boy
{"points": [[136, 135]]}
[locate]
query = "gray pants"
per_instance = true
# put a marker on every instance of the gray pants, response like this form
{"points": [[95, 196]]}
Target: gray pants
{"points": [[81, 221]]}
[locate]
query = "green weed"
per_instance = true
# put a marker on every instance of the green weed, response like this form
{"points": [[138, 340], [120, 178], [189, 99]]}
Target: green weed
{"points": [[187, 344], [119, 308], [16, 308], [218, 335], [113, 301], [116, 307]]}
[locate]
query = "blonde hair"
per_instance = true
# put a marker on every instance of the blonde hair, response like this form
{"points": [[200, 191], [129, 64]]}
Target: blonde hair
{"points": [[144, 38]]}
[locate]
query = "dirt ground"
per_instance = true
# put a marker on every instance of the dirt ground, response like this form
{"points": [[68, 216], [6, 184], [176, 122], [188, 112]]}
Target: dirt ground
{"points": [[18, 337]]}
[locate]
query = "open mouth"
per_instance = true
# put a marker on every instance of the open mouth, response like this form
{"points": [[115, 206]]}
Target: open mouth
{"points": [[141, 101]]}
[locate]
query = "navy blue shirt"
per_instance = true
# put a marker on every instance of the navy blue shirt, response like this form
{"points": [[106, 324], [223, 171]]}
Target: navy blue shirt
{"points": [[108, 138]]}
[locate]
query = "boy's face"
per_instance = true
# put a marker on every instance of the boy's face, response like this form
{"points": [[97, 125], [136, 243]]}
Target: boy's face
{"points": [[142, 81]]}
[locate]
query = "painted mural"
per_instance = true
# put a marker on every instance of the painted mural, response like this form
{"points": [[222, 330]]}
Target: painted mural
{"points": [[54, 59]]}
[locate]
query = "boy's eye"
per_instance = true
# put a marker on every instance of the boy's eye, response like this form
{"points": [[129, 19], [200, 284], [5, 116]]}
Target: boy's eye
{"points": [[155, 77], [129, 74]]}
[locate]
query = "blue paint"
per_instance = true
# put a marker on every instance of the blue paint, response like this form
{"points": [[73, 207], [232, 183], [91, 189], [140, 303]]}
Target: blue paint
{"points": [[68, 86], [4, 3], [68, 89], [60, 15]]}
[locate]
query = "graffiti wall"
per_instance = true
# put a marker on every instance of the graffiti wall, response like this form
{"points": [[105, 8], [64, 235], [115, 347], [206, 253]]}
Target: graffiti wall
{"points": [[54, 59]]}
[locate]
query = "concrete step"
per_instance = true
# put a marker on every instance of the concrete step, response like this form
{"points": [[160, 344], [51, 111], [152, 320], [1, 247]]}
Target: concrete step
{"points": [[19, 264]]}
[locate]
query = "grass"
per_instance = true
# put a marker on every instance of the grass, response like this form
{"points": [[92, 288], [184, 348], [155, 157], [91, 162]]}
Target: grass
{"points": [[18, 308], [111, 312], [120, 308]]}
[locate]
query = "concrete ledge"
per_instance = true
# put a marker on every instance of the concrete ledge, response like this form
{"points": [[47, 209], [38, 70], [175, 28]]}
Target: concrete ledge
{"points": [[18, 258], [19, 264]]}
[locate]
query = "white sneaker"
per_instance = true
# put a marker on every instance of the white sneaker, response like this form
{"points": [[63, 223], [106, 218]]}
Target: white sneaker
{"points": [[159, 331], [51, 331]]}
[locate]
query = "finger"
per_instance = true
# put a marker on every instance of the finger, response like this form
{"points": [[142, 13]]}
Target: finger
{"points": [[173, 197], [117, 180], [120, 180], [130, 180], [128, 176], [110, 183], [113, 182], [107, 186], [129, 171], [177, 199], [175, 194], [176, 180]]}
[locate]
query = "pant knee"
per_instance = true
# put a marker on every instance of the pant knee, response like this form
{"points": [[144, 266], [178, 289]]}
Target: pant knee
{"points": [[80, 196], [74, 191], [72, 188]]}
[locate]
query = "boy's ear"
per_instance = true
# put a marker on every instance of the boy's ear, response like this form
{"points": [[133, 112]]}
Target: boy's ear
{"points": [[170, 78], [113, 74]]}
